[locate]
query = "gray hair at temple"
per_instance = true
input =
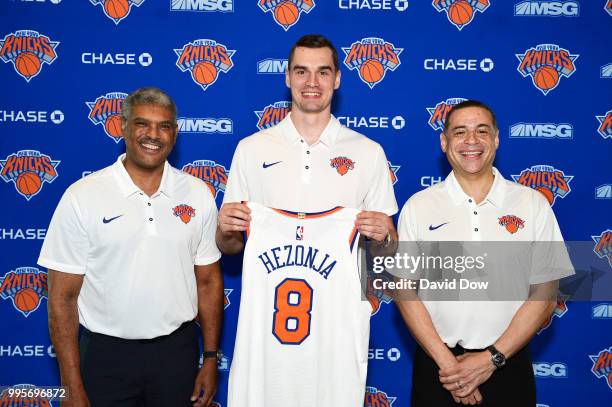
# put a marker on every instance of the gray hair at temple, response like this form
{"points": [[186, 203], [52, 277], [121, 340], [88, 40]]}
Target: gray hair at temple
{"points": [[146, 96]]}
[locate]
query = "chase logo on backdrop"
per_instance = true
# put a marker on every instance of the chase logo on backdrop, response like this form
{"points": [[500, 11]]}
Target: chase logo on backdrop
{"points": [[372, 57], [377, 398], [109, 58], [106, 111], [437, 114], [603, 245], [460, 12], [399, 5], [286, 13], [204, 59], [605, 125], [28, 50], [25, 287], [11, 399], [562, 131], [459, 64], [272, 66], [547, 9], [117, 10], [28, 170], [212, 173], [559, 311], [551, 182], [272, 114], [372, 122], [223, 6], [31, 116], [546, 64], [602, 365], [206, 125]]}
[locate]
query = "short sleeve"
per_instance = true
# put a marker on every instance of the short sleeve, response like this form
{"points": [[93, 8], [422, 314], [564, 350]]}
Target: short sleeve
{"points": [[380, 196], [208, 252], [406, 228], [66, 244], [237, 187]]}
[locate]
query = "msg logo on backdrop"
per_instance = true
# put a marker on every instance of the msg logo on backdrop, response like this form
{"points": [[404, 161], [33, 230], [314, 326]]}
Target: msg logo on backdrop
{"points": [[272, 114], [548, 180], [25, 287], [372, 57], [542, 130], [547, 9], [213, 174], [286, 13], [28, 50], [117, 10], [437, 114], [204, 59], [546, 64], [223, 6], [28, 170], [460, 12], [207, 125], [106, 111]]}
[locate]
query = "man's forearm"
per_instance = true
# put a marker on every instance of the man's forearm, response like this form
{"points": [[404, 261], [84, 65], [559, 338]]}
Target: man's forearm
{"points": [[229, 243], [64, 331], [210, 308]]}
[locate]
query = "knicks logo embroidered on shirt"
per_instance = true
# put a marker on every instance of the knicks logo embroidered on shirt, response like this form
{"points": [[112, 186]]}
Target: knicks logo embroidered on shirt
{"points": [[342, 164], [512, 223], [185, 212]]}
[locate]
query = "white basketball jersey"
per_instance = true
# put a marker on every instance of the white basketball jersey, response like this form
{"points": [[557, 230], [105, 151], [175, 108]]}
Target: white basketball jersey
{"points": [[303, 329]]}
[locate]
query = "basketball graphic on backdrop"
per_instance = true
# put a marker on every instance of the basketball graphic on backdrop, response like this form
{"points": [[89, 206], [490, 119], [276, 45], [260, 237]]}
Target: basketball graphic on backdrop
{"points": [[204, 73], [371, 71], [286, 13], [546, 77], [113, 126], [26, 300], [27, 64], [460, 12], [116, 9], [28, 183]]}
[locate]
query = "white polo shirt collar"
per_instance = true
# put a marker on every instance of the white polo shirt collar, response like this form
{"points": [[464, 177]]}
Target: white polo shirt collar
{"points": [[495, 196], [328, 136], [127, 186]]}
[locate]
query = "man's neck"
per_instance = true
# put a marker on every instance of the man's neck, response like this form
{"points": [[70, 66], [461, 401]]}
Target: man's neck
{"points": [[145, 179], [310, 125], [476, 185]]}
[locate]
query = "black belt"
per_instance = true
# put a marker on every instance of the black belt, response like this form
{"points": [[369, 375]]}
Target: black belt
{"points": [[184, 326]]}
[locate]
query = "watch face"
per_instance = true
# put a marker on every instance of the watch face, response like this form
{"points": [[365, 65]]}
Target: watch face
{"points": [[499, 360]]}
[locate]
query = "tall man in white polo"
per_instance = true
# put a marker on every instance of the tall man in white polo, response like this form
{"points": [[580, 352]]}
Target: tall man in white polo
{"points": [[132, 258], [472, 352]]}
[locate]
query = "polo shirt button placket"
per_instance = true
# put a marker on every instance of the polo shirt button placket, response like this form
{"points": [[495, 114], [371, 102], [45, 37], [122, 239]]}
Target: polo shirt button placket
{"points": [[476, 235], [307, 163], [149, 215]]}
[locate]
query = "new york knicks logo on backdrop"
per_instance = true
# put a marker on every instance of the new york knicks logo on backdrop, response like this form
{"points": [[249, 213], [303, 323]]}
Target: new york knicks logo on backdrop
{"points": [[372, 57], [393, 169], [25, 287], [377, 398], [546, 64], [13, 396], [117, 10], [602, 365], [608, 7], [603, 245], [558, 312], [376, 297], [106, 111], [605, 124], [551, 182], [226, 300], [272, 114], [437, 114], [28, 170], [286, 13], [204, 59], [212, 173], [28, 51], [460, 12]]}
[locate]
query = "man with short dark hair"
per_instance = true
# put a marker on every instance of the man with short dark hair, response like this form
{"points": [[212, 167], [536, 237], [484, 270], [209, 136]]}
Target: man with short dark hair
{"points": [[473, 351], [131, 257]]}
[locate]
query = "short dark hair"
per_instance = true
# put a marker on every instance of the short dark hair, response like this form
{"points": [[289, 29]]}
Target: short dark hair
{"points": [[469, 103], [314, 41]]}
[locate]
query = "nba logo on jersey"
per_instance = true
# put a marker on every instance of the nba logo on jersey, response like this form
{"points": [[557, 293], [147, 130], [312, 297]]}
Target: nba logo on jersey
{"points": [[299, 233]]}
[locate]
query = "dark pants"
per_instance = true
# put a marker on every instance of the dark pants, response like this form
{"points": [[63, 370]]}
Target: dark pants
{"points": [[153, 372], [513, 385]]}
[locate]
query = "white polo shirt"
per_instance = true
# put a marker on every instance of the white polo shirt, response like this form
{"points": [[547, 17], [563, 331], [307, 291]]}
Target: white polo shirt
{"points": [[277, 168], [444, 212], [137, 252]]}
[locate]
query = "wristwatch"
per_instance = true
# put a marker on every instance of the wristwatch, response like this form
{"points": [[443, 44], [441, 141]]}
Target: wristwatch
{"points": [[498, 358], [217, 354]]}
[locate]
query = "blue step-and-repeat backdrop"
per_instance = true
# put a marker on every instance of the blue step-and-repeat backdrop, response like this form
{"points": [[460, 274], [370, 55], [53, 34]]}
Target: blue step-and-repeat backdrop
{"points": [[544, 66]]}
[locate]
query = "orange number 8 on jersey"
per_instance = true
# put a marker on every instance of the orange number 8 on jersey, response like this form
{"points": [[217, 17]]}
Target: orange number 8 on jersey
{"points": [[292, 304]]}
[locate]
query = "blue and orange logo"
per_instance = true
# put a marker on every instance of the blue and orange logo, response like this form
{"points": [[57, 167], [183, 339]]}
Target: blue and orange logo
{"points": [[106, 110], [605, 124], [546, 64], [342, 164], [184, 212], [372, 57], [117, 10], [608, 7], [548, 180], [559, 311], [212, 173], [437, 114], [602, 365], [16, 398], [377, 398], [603, 245], [28, 50], [460, 12], [377, 297], [272, 114], [28, 170], [512, 223], [286, 12], [204, 59], [393, 169], [25, 287], [226, 300]]}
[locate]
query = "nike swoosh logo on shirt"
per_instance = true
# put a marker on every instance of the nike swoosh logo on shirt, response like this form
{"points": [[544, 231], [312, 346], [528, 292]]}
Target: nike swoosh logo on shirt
{"points": [[104, 220], [271, 164], [432, 227]]}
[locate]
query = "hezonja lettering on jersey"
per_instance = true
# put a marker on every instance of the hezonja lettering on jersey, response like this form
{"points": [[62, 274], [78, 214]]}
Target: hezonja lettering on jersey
{"points": [[297, 255]]}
